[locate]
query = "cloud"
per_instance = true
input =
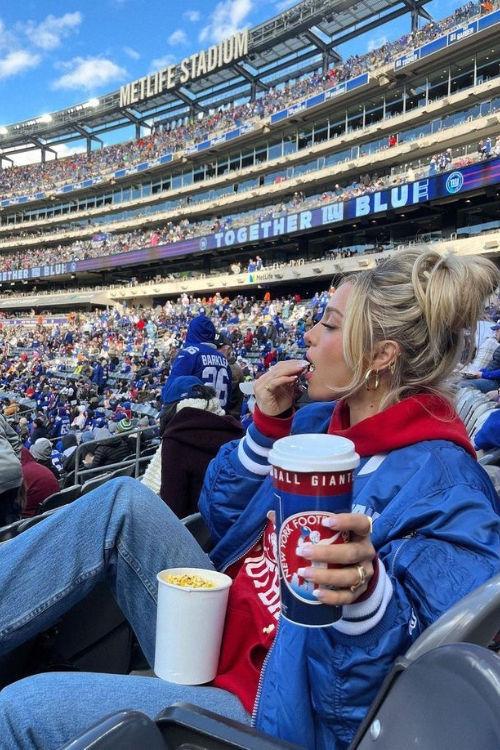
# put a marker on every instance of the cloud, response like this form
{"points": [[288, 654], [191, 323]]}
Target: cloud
{"points": [[17, 62], [34, 157], [376, 42], [192, 15], [161, 62], [132, 53], [226, 19], [88, 73], [48, 34], [177, 37]]}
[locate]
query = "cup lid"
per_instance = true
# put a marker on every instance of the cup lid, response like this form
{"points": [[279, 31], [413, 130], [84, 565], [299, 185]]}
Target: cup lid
{"points": [[314, 452]]}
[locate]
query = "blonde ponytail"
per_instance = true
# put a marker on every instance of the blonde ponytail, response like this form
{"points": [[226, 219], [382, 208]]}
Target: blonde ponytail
{"points": [[424, 301]]}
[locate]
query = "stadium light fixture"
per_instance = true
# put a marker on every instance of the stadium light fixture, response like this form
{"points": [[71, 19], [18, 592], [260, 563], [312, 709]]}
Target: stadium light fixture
{"points": [[45, 118], [93, 102], [3, 130]]}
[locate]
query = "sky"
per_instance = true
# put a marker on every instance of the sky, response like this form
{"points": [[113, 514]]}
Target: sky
{"points": [[58, 53]]}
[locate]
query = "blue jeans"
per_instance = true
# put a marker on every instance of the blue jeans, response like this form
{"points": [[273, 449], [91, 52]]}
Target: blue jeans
{"points": [[480, 384], [121, 533]]}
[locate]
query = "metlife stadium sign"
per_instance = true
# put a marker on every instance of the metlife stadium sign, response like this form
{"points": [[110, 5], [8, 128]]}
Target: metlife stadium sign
{"points": [[191, 68], [451, 183]]}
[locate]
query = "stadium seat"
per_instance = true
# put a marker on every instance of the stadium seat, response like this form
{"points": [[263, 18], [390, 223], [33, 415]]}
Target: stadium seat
{"points": [[27, 523], [178, 727], [447, 699], [185, 726], [473, 619], [126, 730], [77, 641], [198, 528], [124, 471], [491, 457], [92, 484], [58, 499], [10, 531], [150, 451]]}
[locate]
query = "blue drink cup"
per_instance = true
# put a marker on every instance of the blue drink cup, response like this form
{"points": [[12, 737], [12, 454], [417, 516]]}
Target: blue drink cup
{"points": [[312, 477]]}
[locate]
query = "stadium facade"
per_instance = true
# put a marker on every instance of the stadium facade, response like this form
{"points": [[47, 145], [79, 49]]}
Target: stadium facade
{"points": [[270, 145]]}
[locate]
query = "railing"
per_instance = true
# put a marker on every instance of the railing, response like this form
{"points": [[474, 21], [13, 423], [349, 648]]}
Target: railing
{"points": [[82, 474]]}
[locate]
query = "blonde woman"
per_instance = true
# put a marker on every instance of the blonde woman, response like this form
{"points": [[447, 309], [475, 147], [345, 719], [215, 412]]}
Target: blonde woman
{"points": [[425, 529]]}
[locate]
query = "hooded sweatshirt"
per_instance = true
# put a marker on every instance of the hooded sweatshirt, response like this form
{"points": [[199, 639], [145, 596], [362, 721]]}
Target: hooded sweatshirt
{"points": [[39, 482], [199, 357]]}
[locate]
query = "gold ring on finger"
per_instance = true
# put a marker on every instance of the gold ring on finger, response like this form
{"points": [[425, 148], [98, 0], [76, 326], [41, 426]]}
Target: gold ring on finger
{"points": [[361, 578]]}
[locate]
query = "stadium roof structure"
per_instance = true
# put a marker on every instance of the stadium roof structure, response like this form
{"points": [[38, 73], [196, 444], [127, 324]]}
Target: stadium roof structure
{"points": [[299, 40]]}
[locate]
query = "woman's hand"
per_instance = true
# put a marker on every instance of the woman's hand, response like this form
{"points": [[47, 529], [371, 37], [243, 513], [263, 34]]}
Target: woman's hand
{"points": [[350, 557], [275, 391]]}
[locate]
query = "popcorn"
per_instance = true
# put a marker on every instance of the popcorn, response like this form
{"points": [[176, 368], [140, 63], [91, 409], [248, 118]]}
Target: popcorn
{"points": [[188, 581]]}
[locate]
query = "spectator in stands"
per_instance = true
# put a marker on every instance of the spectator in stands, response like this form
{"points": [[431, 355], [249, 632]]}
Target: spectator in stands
{"points": [[114, 450], [23, 430], [199, 357], [100, 374], [193, 428], [487, 378], [225, 347], [388, 342], [39, 429], [38, 483], [10, 472], [484, 353], [237, 377], [41, 450]]}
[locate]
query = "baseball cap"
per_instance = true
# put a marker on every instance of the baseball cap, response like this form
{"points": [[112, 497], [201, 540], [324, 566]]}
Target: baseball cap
{"points": [[180, 388], [221, 340]]}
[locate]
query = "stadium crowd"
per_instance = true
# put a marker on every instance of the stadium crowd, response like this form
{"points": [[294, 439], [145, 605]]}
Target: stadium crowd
{"points": [[91, 371], [105, 243], [29, 179]]}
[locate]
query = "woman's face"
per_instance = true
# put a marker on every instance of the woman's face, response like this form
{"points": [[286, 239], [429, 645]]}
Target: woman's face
{"points": [[325, 353]]}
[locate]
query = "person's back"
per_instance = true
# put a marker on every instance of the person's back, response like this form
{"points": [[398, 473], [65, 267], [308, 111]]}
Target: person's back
{"points": [[115, 449], [39, 483], [193, 428], [200, 358], [41, 450], [190, 440]]}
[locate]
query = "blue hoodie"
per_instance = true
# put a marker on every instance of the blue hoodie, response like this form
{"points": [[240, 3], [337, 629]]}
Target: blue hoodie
{"points": [[199, 357]]}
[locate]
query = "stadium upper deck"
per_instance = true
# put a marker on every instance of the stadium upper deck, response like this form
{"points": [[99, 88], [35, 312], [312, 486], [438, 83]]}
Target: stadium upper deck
{"points": [[295, 40], [282, 184]]}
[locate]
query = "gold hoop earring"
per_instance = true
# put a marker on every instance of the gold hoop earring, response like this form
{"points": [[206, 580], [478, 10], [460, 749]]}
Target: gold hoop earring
{"points": [[371, 386]]}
